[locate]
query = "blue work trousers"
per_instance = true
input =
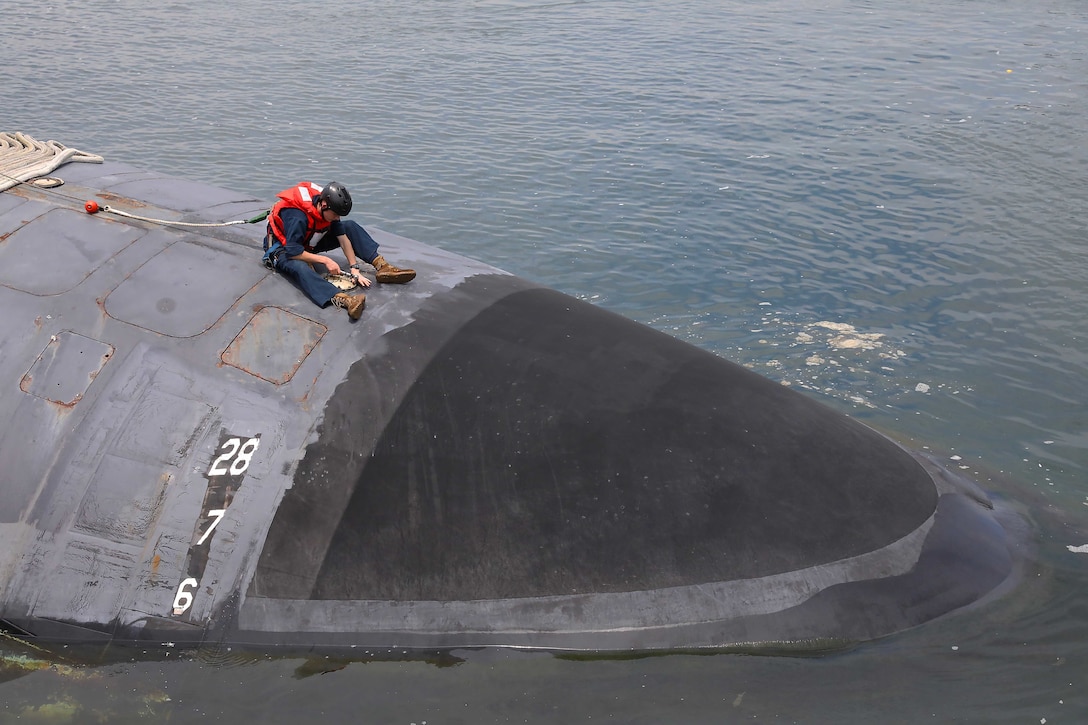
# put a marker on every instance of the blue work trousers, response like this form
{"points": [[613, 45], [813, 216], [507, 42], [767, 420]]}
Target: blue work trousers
{"points": [[311, 281]]}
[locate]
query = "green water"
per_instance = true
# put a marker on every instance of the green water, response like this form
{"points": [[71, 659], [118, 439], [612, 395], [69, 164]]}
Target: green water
{"points": [[881, 205]]}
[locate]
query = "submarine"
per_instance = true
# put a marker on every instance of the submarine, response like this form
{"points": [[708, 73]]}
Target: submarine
{"points": [[194, 455]]}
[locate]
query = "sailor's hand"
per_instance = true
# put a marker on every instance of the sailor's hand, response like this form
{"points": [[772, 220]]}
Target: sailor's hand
{"points": [[331, 265], [359, 277]]}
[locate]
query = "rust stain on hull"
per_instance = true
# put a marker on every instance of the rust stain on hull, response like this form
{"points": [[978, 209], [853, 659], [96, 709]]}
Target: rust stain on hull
{"points": [[118, 199]]}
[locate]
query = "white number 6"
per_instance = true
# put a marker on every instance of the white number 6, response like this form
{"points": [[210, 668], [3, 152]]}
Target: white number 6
{"points": [[184, 598]]}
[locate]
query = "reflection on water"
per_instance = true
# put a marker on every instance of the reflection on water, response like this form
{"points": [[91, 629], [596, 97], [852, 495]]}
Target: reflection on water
{"points": [[883, 206]]}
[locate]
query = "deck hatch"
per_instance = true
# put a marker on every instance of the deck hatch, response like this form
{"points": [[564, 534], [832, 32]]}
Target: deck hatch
{"points": [[274, 344], [184, 289], [66, 368], [78, 245]]}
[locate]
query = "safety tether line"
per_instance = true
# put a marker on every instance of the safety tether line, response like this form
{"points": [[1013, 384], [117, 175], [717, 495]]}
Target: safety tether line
{"points": [[93, 208]]}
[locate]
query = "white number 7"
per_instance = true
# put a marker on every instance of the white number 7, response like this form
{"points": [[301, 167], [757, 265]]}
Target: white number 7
{"points": [[218, 515]]}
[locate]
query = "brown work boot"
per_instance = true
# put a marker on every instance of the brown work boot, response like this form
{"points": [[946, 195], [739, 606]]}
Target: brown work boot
{"points": [[389, 274], [353, 304]]}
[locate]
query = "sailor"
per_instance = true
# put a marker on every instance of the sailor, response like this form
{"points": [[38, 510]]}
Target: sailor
{"points": [[307, 209]]}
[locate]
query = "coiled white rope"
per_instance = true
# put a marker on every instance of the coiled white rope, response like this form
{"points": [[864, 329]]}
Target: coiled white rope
{"points": [[23, 158]]}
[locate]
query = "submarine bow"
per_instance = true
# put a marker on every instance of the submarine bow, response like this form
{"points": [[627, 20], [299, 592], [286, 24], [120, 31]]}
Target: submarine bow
{"points": [[197, 455]]}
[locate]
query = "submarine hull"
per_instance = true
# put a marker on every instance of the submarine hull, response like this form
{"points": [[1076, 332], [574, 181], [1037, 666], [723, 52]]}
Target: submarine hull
{"points": [[196, 455]]}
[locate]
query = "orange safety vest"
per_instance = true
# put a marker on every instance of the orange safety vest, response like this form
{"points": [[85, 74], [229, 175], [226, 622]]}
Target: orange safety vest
{"points": [[299, 197]]}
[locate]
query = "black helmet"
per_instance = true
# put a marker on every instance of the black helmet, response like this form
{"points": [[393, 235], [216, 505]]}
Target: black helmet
{"points": [[338, 198]]}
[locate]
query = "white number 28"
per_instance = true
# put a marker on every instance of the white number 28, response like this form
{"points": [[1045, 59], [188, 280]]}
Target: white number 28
{"points": [[235, 457]]}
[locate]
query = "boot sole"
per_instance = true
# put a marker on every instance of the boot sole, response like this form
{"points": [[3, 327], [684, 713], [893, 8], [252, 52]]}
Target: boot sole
{"points": [[395, 277]]}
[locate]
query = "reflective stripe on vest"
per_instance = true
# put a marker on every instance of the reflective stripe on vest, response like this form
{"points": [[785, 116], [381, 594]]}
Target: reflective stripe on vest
{"points": [[299, 197]]}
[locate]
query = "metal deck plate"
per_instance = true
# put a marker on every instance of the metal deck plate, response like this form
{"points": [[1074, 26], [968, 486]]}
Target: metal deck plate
{"points": [[66, 367], [183, 290], [274, 344], [74, 245]]}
